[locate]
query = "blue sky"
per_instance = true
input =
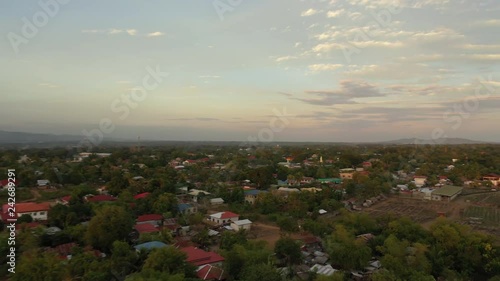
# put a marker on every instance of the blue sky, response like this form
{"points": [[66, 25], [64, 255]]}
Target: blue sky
{"points": [[352, 70]]}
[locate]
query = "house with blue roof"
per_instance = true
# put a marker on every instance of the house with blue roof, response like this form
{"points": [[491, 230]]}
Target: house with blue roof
{"points": [[252, 194], [186, 209], [148, 246]]}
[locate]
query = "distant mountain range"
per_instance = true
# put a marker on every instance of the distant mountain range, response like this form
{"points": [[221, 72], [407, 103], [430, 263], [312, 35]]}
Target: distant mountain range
{"points": [[447, 141], [28, 138], [22, 138]]}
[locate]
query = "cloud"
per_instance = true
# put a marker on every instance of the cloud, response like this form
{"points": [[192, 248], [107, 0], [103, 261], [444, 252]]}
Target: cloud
{"points": [[209, 76], [438, 34], [115, 31], [93, 31], [132, 32], [309, 12], [488, 23], [348, 91], [334, 14], [155, 34], [324, 67], [327, 47], [111, 31], [285, 58]]}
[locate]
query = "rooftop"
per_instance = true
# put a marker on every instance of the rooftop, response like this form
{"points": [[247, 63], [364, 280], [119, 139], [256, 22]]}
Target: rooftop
{"points": [[199, 257], [224, 215], [100, 198], [149, 217], [151, 245], [448, 190], [183, 206], [242, 222], [141, 195], [28, 207], [146, 228], [253, 192], [209, 272]]}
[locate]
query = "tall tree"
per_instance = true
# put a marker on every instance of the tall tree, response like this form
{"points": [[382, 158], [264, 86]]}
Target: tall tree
{"points": [[110, 223]]}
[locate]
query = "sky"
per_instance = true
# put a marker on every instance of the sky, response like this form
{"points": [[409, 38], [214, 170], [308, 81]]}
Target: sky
{"points": [[252, 70]]}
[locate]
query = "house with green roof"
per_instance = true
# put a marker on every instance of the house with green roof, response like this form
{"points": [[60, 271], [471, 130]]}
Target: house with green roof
{"points": [[446, 193]]}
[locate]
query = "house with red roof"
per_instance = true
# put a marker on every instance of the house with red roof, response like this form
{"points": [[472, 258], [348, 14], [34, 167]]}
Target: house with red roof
{"points": [[200, 257], [4, 184], [209, 272], [154, 219], [146, 228], [100, 198], [493, 178], [224, 217], [142, 195], [64, 200], [367, 164], [38, 211]]}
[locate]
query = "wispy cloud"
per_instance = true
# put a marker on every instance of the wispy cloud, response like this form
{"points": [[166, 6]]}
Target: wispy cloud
{"points": [[488, 23], [132, 32], [111, 31], [285, 58], [334, 14], [309, 12], [155, 34], [324, 67], [345, 94]]}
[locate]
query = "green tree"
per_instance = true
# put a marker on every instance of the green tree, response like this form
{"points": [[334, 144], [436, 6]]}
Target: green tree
{"points": [[57, 215], [346, 251], [123, 259], [287, 224], [107, 218], [35, 266], [260, 272], [229, 239], [169, 260], [152, 275], [243, 256], [288, 249], [165, 204], [86, 266], [25, 219]]}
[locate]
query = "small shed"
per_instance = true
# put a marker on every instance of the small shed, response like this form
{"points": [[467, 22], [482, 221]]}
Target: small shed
{"points": [[216, 201], [241, 224]]}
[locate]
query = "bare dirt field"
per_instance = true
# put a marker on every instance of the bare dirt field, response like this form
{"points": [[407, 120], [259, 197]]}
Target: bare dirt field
{"points": [[421, 211], [268, 232], [479, 211]]}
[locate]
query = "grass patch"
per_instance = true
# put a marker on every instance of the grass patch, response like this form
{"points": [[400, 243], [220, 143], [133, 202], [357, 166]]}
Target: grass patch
{"points": [[22, 194], [47, 195], [489, 215]]}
